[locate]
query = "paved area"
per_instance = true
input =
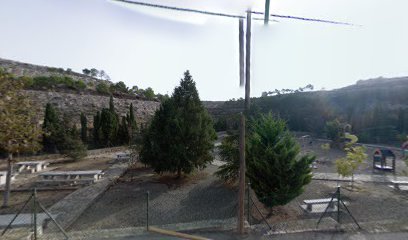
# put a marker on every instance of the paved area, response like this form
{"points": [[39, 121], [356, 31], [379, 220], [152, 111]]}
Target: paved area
{"points": [[359, 177]]}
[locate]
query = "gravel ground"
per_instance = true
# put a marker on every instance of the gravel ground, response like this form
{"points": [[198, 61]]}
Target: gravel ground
{"points": [[200, 197], [203, 197]]}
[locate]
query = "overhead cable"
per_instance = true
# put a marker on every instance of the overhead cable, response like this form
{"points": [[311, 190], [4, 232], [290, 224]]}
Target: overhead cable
{"points": [[231, 15]]}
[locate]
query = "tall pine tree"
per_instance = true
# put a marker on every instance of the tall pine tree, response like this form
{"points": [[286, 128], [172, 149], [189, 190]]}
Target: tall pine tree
{"points": [[181, 134], [275, 169]]}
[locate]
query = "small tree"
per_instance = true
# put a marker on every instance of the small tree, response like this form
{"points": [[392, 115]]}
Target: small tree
{"points": [[72, 146], [181, 134], [355, 156], [19, 131], [149, 93], [86, 71], [334, 131], [229, 153], [103, 88], [275, 169]]}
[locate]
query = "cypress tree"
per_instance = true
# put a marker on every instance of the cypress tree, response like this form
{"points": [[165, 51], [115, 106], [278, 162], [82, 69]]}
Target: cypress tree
{"points": [[84, 128], [97, 129], [181, 134], [132, 125], [109, 127], [111, 105], [123, 133], [276, 172], [51, 128]]}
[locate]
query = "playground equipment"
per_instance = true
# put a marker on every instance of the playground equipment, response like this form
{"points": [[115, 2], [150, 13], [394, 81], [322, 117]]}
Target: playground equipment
{"points": [[384, 159], [404, 149]]}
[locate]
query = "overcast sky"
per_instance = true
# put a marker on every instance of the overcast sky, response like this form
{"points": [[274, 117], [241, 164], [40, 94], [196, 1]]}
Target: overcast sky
{"points": [[152, 48]]}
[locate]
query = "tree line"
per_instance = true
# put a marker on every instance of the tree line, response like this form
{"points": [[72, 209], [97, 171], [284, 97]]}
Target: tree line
{"points": [[109, 129], [376, 114]]}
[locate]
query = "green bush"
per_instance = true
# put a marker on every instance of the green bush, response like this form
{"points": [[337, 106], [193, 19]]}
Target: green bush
{"points": [[49, 82], [102, 88], [80, 85]]}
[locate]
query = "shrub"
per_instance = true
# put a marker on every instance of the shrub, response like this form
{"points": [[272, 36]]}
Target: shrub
{"points": [[103, 88]]}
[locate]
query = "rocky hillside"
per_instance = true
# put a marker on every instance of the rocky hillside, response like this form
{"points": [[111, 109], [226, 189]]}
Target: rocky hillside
{"points": [[31, 70], [73, 102]]}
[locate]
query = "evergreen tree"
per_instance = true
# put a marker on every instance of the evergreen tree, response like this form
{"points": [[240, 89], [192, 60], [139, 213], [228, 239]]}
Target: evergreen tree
{"points": [[132, 125], [84, 128], [123, 133], [111, 105], [109, 127], [97, 129], [229, 153], [276, 172], [72, 145], [51, 128], [181, 134]]}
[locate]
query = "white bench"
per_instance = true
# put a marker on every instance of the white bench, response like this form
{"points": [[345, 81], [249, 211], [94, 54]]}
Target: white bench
{"points": [[92, 174], [122, 156], [3, 175], [309, 203], [34, 166], [397, 184], [70, 182]]}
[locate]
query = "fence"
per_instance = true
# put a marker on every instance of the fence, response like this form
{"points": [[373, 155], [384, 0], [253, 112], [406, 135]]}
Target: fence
{"points": [[369, 205], [32, 221]]}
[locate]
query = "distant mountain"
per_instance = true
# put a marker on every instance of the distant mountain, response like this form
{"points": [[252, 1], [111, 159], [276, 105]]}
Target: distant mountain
{"points": [[377, 109]]}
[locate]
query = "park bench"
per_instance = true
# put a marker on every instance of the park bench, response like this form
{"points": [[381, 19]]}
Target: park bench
{"points": [[3, 175], [63, 182], [70, 177], [94, 174], [310, 202], [34, 166], [122, 156], [396, 184]]}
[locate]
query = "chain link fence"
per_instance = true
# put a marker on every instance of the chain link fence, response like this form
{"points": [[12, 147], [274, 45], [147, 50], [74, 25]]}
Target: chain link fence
{"points": [[332, 205], [32, 221]]}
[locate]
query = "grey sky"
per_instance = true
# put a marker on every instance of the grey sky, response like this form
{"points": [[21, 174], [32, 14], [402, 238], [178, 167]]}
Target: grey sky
{"points": [[149, 47]]}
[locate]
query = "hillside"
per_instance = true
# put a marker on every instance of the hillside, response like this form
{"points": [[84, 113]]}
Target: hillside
{"points": [[72, 101], [377, 109], [31, 70]]}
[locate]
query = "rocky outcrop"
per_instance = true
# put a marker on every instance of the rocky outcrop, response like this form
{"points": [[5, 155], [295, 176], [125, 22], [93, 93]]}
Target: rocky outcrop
{"points": [[73, 104]]}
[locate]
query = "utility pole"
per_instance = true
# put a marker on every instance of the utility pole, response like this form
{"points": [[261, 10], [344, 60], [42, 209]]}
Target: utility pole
{"points": [[247, 74], [266, 17]]}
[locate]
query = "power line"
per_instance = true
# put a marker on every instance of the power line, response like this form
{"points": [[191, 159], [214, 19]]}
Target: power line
{"points": [[306, 19], [219, 14], [181, 9]]}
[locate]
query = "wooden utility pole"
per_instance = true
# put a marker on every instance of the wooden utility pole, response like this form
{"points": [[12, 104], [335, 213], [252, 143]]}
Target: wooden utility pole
{"points": [[248, 63], [247, 74]]}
